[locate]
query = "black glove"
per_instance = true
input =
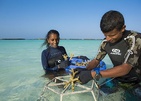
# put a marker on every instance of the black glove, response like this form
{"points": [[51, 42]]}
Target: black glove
{"points": [[79, 70], [63, 64], [84, 76]]}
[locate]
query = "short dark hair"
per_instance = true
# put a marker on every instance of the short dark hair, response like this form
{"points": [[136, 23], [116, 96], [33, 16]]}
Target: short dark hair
{"points": [[111, 20]]}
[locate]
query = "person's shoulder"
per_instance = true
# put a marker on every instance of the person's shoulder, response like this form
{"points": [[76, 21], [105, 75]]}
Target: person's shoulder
{"points": [[133, 33], [104, 41], [136, 36], [45, 50], [61, 47]]}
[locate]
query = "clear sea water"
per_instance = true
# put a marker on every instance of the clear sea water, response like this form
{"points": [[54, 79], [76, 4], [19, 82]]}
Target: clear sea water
{"points": [[21, 73]]}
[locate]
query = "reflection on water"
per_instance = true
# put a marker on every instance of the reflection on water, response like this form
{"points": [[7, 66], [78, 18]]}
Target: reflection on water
{"points": [[52, 74]]}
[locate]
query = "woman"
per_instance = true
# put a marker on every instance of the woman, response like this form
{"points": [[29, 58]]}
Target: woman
{"points": [[52, 57]]}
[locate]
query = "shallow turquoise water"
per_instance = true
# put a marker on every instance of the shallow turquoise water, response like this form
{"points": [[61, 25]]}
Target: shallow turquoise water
{"points": [[20, 67]]}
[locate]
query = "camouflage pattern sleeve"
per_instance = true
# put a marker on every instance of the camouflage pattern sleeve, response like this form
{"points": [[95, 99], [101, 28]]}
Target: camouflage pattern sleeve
{"points": [[101, 52], [133, 58]]}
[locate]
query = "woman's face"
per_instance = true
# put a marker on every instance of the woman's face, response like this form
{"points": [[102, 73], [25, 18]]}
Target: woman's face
{"points": [[114, 35], [53, 40]]}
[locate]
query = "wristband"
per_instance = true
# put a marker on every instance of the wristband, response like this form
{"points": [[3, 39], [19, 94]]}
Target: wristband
{"points": [[97, 75]]}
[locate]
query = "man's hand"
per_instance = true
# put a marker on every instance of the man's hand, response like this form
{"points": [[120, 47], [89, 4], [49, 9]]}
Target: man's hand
{"points": [[80, 69], [84, 76]]}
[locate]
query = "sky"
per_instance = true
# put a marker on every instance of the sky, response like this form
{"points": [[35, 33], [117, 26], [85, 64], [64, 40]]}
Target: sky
{"points": [[77, 19]]}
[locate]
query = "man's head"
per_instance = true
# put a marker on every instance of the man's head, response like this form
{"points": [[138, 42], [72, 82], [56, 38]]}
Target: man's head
{"points": [[112, 25]]}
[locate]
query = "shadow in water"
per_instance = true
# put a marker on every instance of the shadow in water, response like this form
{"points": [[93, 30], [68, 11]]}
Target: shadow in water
{"points": [[52, 74]]}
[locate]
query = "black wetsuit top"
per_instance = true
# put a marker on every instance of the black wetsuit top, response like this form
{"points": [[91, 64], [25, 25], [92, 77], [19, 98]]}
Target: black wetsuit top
{"points": [[51, 57]]}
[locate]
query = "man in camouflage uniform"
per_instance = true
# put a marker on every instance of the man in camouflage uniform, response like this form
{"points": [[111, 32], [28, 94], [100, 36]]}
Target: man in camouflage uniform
{"points": [[122, 46]]}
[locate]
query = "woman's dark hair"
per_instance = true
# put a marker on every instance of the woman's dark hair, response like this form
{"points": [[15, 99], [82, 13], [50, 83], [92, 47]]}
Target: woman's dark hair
{"points": [[111, 20], [48, 35]]}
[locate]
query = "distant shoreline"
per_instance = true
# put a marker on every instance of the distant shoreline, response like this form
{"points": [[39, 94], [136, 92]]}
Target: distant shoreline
{"points": [[43, 39], [12, 39]]}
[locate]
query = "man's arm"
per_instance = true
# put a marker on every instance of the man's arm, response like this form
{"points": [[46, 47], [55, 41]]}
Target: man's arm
{"points": [[117, 71], [101, 54], [92, 64]]}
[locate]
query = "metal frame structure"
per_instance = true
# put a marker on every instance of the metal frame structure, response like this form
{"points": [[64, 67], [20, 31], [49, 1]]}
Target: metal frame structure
{"points": [[53, 83]]}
